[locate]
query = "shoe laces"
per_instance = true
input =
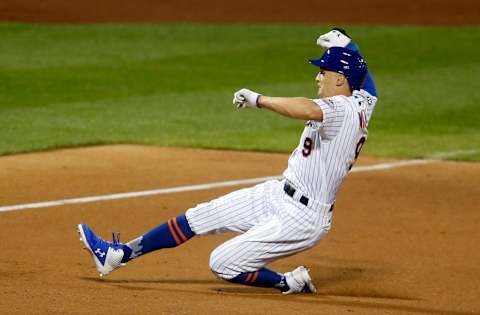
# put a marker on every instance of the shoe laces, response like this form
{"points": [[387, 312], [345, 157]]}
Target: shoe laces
{"points": [[116, 238], [115, 244]]}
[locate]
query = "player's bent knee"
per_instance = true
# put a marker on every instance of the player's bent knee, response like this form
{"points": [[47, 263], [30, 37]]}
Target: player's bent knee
{"points": [[216, 266], [219, 265], [220, 275]]}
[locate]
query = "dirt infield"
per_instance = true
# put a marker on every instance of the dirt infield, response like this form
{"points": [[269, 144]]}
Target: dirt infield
{"points": [[404, 241], [425, 12]]}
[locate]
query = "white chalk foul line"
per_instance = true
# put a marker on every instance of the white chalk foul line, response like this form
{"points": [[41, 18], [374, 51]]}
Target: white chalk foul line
{"points": [[386, 166], [136, 194]]}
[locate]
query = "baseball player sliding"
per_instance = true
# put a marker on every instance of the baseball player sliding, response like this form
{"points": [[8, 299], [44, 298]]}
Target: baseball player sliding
{"points": [[277, 218]]}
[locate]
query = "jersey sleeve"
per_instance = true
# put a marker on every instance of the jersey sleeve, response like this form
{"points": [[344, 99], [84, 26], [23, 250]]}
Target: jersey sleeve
{"points": [[366, 101], [333, 116]]}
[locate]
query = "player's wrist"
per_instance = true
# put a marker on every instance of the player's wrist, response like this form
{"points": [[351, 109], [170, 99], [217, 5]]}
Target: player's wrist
{"points": [[258, 101]]}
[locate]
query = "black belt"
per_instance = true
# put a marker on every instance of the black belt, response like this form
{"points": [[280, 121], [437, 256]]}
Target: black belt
{"points": [[289, 190]]}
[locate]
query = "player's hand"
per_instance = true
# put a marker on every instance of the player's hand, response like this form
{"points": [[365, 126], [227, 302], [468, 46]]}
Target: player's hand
{"points": [[334, 38], [245, 98]]}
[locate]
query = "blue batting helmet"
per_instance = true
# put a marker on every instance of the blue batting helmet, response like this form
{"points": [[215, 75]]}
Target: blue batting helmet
{"points": [[344, 61]]}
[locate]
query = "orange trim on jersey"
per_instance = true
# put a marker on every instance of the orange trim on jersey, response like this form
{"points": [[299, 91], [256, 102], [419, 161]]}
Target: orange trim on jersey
{"points": [[177, 228], [175, 237], [248, 278], [255, 276]]}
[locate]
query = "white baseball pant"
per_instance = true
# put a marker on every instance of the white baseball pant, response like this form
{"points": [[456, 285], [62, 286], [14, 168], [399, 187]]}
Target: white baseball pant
{"points": [[273, 225]]}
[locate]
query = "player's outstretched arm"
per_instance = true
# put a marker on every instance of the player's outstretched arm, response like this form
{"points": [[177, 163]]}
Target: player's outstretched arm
{"points": [[293, 107]]}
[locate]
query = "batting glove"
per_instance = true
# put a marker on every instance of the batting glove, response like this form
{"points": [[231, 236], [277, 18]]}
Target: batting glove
{"points": [[245, 98], [334, 38]]}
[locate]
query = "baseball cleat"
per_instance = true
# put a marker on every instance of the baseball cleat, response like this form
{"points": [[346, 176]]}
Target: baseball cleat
{"points": [[299, 281], [107, 255]]}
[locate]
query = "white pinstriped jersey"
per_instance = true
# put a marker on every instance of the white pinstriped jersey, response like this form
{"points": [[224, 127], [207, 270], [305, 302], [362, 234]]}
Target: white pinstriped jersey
{"points": [[328, 149], [273, 224]]}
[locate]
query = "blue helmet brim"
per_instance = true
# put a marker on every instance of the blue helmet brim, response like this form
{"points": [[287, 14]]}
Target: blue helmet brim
{"points": [[322, 64], [317, 62]]}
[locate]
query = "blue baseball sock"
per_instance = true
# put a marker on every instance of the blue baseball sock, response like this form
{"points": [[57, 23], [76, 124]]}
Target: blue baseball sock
{"points": [[262, 278], [172, 233]]}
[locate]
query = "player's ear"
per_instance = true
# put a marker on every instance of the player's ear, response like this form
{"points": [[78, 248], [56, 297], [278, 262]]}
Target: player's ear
{"points": [[341, 79]]}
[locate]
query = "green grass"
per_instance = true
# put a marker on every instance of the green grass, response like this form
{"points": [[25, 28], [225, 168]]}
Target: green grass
{"points": [[172, 84]]}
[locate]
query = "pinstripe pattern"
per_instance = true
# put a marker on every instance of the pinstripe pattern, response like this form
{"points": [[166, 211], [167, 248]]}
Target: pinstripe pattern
{"points": [[272, 224], [320, 174]]}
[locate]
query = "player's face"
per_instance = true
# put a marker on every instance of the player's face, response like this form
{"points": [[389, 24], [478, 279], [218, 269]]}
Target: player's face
{"points": [[327, 81]]}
